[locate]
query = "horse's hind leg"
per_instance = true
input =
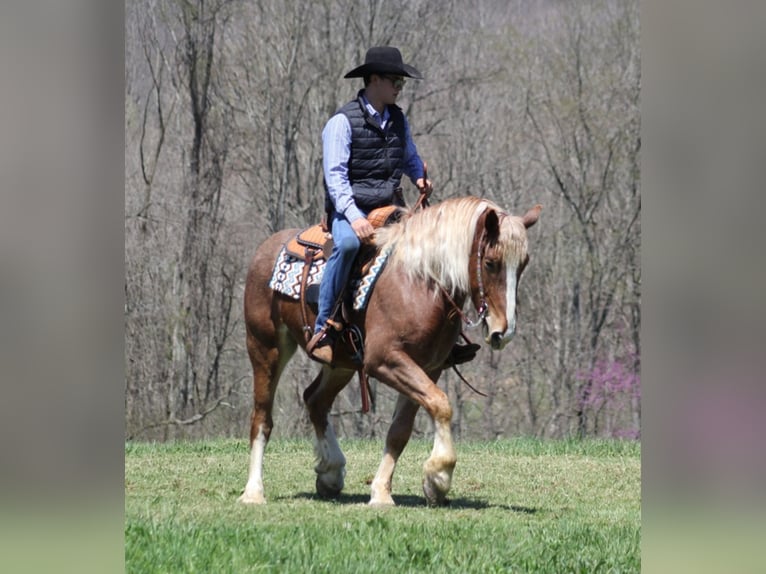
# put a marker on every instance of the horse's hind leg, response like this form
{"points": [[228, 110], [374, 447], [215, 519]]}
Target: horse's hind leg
{"points": [[268, 363], [398, 435], [319, 397]]}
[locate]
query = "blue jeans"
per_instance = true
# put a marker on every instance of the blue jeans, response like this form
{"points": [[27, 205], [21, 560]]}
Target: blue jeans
{"points": [[345, 247]]}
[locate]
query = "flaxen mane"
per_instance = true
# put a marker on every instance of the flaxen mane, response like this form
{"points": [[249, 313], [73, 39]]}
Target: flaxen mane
{"points": [[435, 243]]}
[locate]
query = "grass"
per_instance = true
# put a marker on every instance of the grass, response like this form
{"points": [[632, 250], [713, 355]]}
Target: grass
{"points": [[515, 506]]}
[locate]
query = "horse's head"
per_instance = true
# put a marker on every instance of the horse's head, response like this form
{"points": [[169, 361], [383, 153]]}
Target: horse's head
{"points": [[498, 262], [466, 246]]}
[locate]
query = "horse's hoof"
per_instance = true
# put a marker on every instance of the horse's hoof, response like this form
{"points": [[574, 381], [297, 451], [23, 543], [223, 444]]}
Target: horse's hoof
{"points": [[382, 502], [434, 496], [326, 490], [256, 498]]}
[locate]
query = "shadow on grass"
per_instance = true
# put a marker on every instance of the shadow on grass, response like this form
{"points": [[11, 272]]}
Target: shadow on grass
{"points": [[411, 501]]}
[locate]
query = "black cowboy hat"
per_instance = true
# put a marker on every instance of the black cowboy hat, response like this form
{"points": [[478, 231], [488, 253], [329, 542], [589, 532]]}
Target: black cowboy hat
{"points": [[384, 60]]}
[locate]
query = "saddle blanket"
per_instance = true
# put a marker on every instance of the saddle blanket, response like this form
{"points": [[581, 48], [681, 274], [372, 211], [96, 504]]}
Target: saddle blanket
{"points": [[286, 278]]}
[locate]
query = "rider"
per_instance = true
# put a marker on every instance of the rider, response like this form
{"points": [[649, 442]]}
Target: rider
{"points": [[367, 147]]}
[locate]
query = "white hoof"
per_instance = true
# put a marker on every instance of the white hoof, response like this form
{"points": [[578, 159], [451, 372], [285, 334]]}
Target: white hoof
{"points": [[252, 498], [382, 501]]}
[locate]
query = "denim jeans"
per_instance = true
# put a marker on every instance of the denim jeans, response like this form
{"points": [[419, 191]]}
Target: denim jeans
{"points": [[345, 247]]}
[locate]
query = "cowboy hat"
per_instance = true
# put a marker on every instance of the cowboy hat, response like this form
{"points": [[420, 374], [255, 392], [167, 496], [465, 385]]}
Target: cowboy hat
{"points": [[384, 60]]}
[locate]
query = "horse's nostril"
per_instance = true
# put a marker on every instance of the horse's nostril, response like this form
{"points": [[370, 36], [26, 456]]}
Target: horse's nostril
{"points": [[496, 339]]}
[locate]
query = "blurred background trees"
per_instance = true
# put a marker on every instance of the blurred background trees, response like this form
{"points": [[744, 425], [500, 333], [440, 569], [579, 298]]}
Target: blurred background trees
{"points": [[524, 102]]}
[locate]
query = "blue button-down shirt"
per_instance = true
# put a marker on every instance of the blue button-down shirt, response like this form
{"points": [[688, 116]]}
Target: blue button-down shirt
{"points": [[336, 146]]}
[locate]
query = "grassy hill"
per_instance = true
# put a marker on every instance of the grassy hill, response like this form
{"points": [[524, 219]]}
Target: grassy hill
{"points": [[515, 506]]}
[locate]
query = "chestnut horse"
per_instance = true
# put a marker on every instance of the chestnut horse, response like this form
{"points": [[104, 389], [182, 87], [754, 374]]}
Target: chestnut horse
{"points": [[459, 249]]}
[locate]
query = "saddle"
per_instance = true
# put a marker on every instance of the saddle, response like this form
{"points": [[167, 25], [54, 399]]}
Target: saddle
{"points": [[312, 243], [315, 242]]}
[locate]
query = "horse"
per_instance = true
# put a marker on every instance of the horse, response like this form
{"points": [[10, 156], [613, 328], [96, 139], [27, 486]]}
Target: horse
{"points": [[439, 257]]}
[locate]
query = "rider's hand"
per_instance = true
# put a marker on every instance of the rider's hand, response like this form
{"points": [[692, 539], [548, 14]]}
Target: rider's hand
{"points": [[363, 229], [424, 186]]}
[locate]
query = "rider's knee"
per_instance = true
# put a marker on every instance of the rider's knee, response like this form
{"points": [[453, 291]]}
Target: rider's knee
{"points": [[348, 246]]}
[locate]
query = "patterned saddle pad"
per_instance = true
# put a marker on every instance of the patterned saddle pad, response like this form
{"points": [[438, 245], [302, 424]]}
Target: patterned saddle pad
{"points": [[286, 278]]}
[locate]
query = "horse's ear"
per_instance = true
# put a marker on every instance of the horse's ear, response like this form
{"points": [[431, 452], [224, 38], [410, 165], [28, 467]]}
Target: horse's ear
{"points": [[530, 217], [492, 226]]}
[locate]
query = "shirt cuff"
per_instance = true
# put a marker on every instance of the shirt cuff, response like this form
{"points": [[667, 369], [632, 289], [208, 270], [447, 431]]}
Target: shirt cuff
{"points": [[352, 213]]}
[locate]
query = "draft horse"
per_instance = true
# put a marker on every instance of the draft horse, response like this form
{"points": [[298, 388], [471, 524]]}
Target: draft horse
{"points": [[459, 249]]}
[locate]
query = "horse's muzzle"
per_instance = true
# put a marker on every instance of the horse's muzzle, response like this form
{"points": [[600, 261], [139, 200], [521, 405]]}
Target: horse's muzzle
{"points": [[497, 340]]}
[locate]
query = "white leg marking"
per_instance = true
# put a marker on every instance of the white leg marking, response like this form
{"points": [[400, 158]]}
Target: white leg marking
{"points": [[443, 449], [254, 488], [440, 465], [380, 494]]}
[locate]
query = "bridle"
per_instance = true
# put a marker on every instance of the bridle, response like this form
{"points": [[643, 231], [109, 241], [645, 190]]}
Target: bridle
{"points": [[482, 308]]}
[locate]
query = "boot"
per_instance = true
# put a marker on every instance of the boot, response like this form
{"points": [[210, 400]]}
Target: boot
{"points": [[461, 354], [320, 346]]}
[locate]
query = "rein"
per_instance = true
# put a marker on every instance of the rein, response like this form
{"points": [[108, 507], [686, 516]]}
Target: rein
{"points": [[460, 375], [467, 384], [422, 201]]}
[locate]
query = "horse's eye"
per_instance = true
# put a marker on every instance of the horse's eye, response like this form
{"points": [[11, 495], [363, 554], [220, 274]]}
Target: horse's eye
{"points": [[491, 265]]}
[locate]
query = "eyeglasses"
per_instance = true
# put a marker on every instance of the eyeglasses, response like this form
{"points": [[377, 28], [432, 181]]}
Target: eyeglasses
{"points": [[397, 81]]}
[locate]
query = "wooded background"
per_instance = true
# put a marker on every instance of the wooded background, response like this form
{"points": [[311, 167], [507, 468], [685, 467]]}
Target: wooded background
{"points": [[523, 102]]}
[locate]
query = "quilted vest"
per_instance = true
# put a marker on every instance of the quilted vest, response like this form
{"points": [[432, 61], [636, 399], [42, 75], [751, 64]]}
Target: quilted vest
{"points": [[376, 162]]}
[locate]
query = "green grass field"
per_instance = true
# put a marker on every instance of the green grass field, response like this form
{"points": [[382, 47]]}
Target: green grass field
{"points": [[515, 506]]}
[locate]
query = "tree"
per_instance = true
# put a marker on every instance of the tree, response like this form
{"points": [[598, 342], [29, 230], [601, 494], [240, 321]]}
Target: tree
{"points": [[199, 276], [587, 127], [524, 102]]}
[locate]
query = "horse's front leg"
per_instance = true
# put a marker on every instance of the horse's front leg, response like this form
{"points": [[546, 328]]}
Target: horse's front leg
{"points": [[403, 374], [438, 468], [319, 397], [398, 435]]}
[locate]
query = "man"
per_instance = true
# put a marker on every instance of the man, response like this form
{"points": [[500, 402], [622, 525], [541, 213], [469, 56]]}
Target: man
{"points": [[367, 147]]}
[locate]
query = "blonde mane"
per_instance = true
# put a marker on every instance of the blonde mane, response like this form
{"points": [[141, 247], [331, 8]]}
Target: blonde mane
{"points": [[435, 243]]}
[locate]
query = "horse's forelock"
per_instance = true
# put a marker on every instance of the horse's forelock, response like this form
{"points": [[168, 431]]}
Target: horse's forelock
{"points": [[513, 239], [435, 243]]}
